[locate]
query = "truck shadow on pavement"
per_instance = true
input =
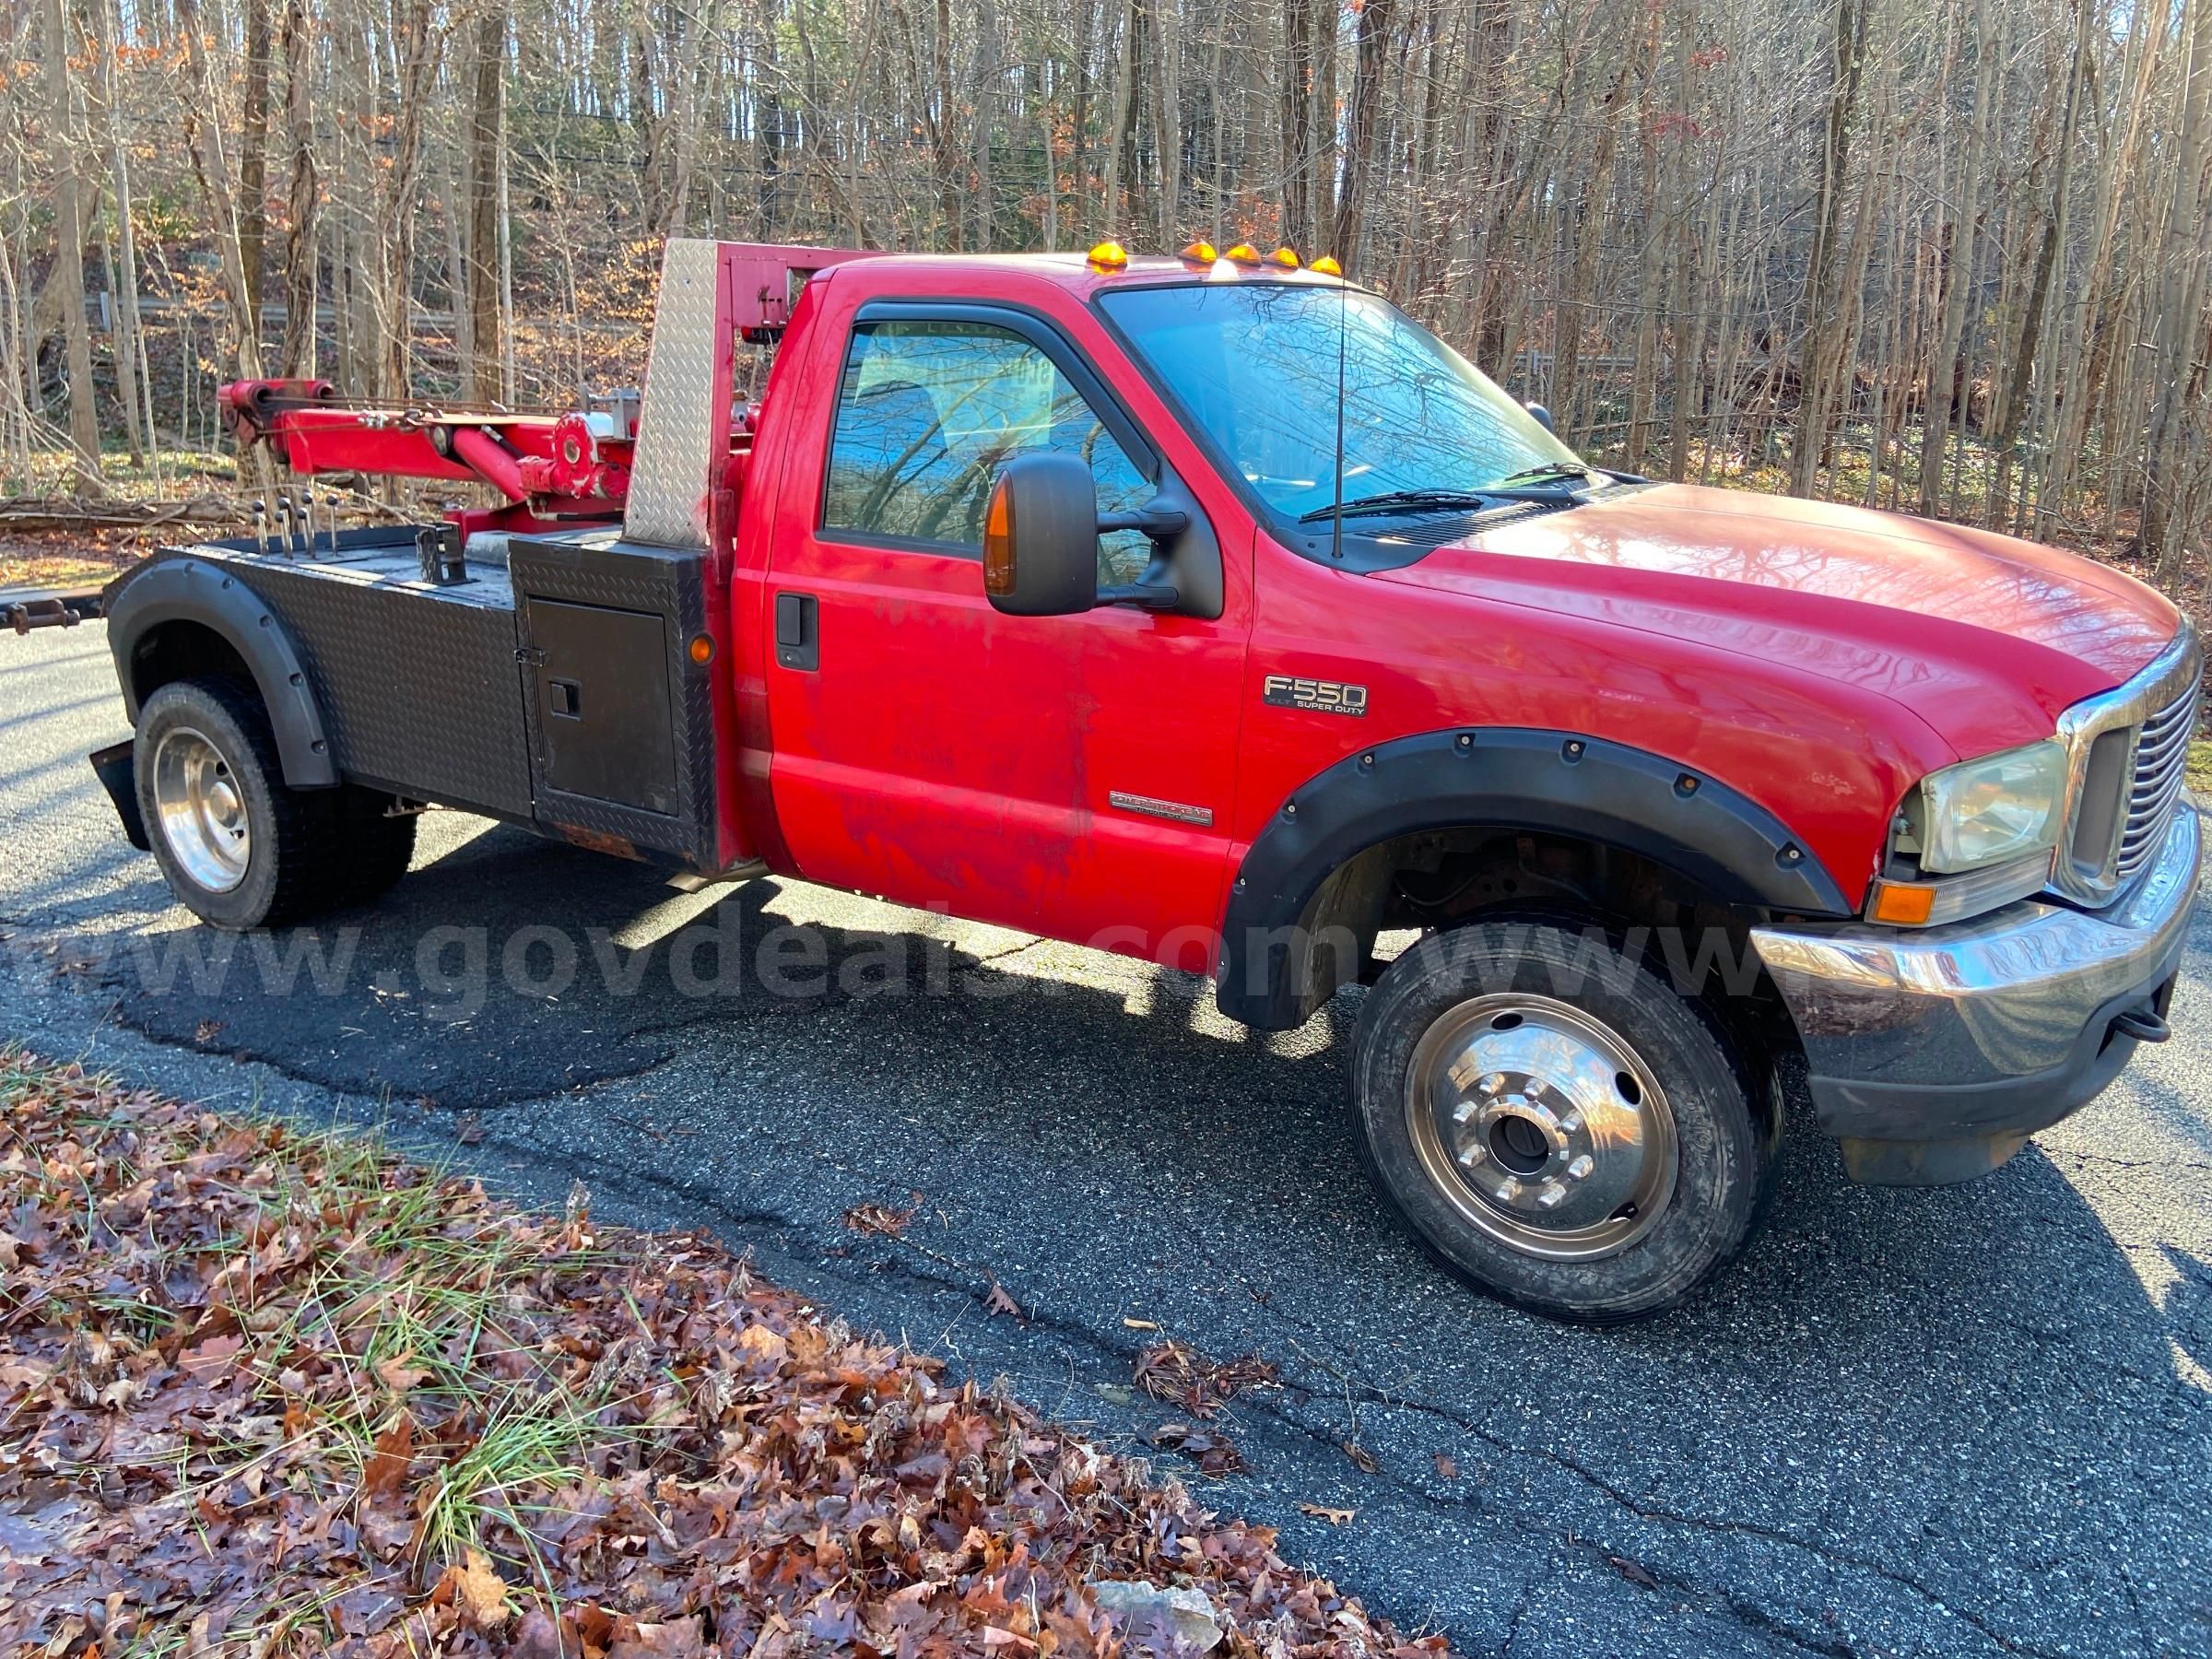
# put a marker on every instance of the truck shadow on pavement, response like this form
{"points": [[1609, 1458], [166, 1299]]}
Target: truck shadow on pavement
{"points": [[1914, 1404]]}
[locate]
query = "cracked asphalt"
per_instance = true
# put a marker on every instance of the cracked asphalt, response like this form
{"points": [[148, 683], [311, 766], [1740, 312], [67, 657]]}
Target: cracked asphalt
{"points": [[1962, 1421]]}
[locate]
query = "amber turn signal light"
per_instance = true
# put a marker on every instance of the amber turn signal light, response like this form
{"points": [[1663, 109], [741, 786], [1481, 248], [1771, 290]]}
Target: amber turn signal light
{"points": [[998, 542], [1108, 256], [1902, 903]]}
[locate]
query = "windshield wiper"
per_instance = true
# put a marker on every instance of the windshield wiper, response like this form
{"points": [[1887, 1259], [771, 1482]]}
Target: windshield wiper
{"points": [[1402, 501], [1547, 471]]}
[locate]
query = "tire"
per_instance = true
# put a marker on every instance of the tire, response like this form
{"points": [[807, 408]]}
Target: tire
{"points": [[1484, 1060], [378, 849], [238, 848]]}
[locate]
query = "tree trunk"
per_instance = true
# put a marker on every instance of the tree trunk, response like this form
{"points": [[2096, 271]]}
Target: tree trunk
{"points": [[69, 256], [2162, 532], [253, 162], [1298, 121], [1322, 180], [301, 251], [2007, 435], [1166, 120], [418, 42], [1589, 231], [1821, 325], [482, 242], [1377, 18], [1958, 263], [133, 382], [1118, 92]]}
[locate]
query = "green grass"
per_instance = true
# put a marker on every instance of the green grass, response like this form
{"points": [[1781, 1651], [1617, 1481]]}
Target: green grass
{"points": [[2199, 766]]}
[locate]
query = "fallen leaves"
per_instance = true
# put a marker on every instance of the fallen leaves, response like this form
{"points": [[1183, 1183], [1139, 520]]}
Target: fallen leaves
{"points": [[1208, 1448], [1636, 1573], [387, 1466], [1322, 1512], [1177, 1372], [881, 1220], [273, 1389], [998, 1299]]}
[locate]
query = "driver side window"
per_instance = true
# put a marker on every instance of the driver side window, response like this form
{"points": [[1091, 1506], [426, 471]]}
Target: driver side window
{"points": [[927, 413]]}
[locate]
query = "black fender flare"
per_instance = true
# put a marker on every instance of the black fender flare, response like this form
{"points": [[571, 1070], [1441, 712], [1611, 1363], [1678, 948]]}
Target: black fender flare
{"points": [[1510, 779], [196, 590]]}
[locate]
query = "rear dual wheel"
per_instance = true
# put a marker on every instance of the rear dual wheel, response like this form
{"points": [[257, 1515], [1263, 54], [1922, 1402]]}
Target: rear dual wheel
{"points": [[236, 844], [1590, 1150]]}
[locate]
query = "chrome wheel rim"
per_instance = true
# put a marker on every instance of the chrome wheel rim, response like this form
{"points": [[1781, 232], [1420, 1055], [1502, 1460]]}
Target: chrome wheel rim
{"points": [[202, 811], [1542, 1126]]}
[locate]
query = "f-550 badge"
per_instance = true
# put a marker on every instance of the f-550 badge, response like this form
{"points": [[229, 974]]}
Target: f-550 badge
{"points": [[1322, 697]]}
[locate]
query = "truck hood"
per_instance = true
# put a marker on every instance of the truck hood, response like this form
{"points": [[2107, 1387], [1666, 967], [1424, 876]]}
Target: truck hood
{"points": [[1984, 638]]}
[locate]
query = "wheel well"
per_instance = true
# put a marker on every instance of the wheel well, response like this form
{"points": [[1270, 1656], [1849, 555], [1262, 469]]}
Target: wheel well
{"points": [[181, 649], [1438, 878]]}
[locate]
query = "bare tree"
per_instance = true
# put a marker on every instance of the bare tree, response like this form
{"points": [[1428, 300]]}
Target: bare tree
{"points": [[68, 278]]}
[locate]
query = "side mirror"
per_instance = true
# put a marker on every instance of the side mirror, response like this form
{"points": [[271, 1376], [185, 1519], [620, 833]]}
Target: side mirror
{"points": [[1541, 416], [1040, 537]]}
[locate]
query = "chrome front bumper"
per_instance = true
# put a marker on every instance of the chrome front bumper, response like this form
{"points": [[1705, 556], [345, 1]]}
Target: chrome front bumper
{"points": [[1933, 1054]]}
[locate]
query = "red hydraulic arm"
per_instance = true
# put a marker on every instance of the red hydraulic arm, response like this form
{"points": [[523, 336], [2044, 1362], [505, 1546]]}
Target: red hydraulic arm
{"points": [[548, 465]]}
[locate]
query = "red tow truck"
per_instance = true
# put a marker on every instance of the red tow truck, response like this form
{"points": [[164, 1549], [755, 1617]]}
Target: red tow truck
{"points": [[1208, 608]]}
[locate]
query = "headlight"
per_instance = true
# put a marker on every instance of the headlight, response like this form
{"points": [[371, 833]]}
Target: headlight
{"points": [[1992, 810]]}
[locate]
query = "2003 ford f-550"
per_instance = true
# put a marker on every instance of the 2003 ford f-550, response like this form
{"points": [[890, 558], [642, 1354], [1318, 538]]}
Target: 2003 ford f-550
{"points": [[1208, 608]]}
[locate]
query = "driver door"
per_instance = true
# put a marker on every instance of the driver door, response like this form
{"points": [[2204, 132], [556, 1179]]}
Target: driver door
{"points": [[1070, 776]]}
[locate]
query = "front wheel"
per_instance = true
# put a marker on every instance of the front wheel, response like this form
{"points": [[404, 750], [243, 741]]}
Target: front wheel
{"points": [[1555, 1123]]}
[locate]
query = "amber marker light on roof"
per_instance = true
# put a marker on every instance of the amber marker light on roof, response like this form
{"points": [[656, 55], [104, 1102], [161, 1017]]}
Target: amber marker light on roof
{"points": [[1200, 252], [1243, 254], [1284, 257], [1326, 265], [1108, 256]]}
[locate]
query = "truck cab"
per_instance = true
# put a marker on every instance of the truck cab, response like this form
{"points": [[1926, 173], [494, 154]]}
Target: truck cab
{"points": [[1208, 608]]}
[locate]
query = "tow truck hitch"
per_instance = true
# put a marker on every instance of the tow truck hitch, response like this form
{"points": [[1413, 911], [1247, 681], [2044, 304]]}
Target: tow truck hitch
{"points": [[24, 612]]}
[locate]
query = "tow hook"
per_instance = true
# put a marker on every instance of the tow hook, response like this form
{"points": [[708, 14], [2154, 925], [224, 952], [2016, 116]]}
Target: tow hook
{"points": [[2142, 1025]]}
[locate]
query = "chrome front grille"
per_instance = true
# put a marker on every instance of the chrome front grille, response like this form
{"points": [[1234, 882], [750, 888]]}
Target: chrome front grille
{"points": [[2162, 756], [2128, 750]]}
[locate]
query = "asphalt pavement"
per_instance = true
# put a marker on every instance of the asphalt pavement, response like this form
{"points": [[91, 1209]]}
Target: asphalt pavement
{"points": [[1970, 1420]]}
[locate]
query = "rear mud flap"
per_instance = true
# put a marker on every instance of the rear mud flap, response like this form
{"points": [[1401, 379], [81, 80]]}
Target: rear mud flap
{"points": [[118, 775]]}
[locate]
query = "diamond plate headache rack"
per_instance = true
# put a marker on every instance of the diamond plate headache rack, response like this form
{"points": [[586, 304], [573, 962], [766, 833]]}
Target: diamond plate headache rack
{"points": [[711, 293]]}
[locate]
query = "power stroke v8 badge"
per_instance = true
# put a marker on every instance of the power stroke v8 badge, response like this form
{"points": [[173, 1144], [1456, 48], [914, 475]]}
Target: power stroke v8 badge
{"points": [[1322, 697]]}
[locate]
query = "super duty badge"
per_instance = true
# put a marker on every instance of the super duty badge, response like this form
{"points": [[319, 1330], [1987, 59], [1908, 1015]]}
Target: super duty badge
{"points": [[1322, 697]]}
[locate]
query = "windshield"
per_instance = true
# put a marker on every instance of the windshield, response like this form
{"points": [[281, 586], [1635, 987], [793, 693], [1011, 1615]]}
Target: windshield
{"points": [[1257, 365]]}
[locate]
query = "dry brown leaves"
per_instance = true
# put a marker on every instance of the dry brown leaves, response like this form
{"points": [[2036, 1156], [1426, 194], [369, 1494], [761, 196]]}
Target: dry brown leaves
{"points": [[1179, 1373], [273, 1391]]}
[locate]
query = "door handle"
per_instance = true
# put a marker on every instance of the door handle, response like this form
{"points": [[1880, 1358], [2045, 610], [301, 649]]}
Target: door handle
{"points": [[798, 640]]}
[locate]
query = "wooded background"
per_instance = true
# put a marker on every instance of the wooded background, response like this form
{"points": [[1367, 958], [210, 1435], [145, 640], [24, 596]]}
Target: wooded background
{"points": [[1736, 240]]}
